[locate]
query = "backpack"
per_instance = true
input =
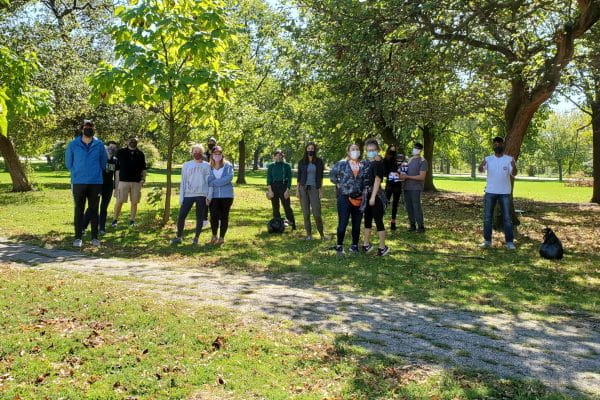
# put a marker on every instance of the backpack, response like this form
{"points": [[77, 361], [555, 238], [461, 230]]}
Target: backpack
{"points": [[552, 248], [276, 225]]}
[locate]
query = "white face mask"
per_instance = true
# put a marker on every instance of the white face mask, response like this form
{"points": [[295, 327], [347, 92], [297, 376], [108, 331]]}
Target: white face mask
{"points": [[354, 154], [416, 152]]}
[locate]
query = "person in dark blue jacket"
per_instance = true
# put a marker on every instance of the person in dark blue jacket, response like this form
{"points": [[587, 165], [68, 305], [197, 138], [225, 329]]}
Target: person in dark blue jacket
{"points": [[86, 158]]}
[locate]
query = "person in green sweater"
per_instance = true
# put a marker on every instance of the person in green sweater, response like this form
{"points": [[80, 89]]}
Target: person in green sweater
{"points": [[279, 182]]}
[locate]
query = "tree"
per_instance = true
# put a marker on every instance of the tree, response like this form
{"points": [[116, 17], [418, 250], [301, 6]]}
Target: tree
{"points": [[169, 59], [18, 97]]}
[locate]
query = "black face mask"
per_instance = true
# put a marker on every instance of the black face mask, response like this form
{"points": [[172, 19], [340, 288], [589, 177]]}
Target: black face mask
{"points": [[311, 153], [133, 144], [211, 146], [88, 132], [498, 149]]}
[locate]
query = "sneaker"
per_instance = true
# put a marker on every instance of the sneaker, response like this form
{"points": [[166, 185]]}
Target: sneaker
{"points": [[383, 252], [367, 248], [114, 223], [309, 238], [95, 243], [510, 246], [102, 232], [353, 249], [131, 223], [195, 241], [393, 226], [205, 223], [77, 243], [486, 244], [213, 240], [421, 229], [176, 240], [339, 250], [220, 241], [412, 228]]}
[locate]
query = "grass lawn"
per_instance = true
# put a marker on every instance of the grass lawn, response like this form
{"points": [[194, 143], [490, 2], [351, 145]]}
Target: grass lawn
{"points": [[443, 267], [70, 336]]}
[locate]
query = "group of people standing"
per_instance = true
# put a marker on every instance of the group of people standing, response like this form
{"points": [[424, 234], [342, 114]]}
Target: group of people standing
{"points": [[100, 171], [359, 191]]}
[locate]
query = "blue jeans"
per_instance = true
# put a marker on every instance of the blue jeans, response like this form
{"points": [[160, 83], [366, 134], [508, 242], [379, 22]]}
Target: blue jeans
{"points": [[489, 203], [187, 205], [345, 211]]}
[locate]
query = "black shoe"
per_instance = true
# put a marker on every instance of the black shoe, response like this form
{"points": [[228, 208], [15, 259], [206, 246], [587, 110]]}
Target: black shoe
{"points": [[412, 228], [131, 223], [339, 250], [383, 252], [421, 229], [393, 226], [293, 227], [114, 223], [367, 249], [353, 249]]}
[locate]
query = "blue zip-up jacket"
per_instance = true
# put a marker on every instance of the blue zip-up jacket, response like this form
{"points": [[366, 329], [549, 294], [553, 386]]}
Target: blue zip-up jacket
{"points": [[221, 188], [86, 162]]}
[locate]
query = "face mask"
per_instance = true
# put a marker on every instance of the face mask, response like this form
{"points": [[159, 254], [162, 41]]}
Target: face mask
{"points": [[372, 154], [88, 132], [197, 156], [498, 149], [416, 152], [217, 157], [311, 153], [354, 154]]}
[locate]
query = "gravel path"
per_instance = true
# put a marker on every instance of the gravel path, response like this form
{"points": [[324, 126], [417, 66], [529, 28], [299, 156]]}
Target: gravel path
{"points": [[564, 355]]}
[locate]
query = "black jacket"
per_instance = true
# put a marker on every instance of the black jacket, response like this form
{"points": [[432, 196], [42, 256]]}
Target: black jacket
{"points": [[302, 166]]}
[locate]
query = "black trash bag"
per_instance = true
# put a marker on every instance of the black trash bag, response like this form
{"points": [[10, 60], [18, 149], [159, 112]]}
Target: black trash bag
{"points": [[552, 248], [276, 225]]}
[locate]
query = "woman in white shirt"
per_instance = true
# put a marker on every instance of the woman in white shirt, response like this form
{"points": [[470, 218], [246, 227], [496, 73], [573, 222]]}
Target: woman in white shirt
{"points": [[193, 190]]}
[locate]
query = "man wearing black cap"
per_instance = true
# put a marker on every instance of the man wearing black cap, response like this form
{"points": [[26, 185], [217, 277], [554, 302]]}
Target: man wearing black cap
{"points": [[279, 182], [414, 182]]}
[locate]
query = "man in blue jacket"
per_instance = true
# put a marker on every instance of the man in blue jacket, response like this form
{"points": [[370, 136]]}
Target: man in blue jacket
{"points": [[86, 158]]}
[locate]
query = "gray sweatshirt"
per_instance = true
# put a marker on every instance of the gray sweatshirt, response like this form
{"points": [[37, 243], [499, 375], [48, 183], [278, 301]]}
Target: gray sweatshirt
{"points": [[194, 179]]}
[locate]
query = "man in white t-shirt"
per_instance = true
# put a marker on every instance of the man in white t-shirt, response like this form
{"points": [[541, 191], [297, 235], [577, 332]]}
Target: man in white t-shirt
{"points": [[500, 169]]}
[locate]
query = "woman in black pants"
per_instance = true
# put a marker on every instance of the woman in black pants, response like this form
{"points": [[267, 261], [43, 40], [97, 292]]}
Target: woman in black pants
{"points": [[375, 201], [393, 188], [220, 194]]}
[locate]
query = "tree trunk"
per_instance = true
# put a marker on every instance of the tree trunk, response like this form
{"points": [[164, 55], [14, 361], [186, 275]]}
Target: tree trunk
{"points": [[428, 143], [447, 172], [596, 146], [256, 156], [171, 145], [241, 178], [473, 166], [560, 170], [20, 183]]}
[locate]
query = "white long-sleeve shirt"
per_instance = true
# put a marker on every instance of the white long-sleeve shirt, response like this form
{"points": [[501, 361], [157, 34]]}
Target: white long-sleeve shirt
{"points": [[194, 179]]}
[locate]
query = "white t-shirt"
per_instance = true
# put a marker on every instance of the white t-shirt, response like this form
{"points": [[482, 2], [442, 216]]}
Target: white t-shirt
{"points": [[218, 172], [499, 170]]}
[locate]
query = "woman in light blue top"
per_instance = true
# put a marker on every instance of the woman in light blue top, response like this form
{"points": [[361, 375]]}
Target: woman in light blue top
{"points": [[220, 194]]}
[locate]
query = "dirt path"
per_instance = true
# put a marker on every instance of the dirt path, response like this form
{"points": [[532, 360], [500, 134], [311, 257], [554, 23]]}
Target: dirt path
{"points": [[564, 355]]}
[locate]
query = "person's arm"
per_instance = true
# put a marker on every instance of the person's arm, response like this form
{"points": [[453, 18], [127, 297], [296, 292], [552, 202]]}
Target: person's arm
{"points": [[182, 184], [333, 174], [144, 169], [288, 175], [482, 166], [376, 186]]}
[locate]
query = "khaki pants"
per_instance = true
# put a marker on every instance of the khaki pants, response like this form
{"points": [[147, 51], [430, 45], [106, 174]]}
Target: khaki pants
{"points": [[309, 199], [129, 189]]}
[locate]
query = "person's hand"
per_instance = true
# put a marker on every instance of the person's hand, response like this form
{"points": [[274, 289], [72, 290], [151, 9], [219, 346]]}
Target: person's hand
{"points": [[371, 202], [286, 194], [402, 176], [207, 201], [270, 194]]}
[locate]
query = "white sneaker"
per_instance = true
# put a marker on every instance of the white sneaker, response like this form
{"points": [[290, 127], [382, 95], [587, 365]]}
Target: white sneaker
{"points": [[77, 243], [510, 246], [95, 243], [486, 244], [205, 223]]}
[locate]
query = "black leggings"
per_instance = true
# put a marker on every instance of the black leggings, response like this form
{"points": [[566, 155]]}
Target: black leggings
{"points": [[219, 213], [393, 190], [376, 213]]}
